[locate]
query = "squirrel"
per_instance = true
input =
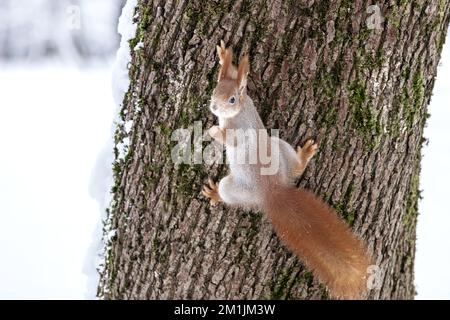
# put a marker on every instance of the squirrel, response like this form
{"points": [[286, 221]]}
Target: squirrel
{"points": [[304, 223]]}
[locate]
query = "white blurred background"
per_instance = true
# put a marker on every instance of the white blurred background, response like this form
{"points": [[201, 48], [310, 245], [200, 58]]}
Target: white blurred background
{"points": [[57, 111], [56, 107], [68, 30]]}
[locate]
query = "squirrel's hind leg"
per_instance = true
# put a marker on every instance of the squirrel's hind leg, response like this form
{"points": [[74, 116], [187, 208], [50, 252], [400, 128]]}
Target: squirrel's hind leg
{"points": [[234, 192], [211, 191], [304, 154], [230, 191]]}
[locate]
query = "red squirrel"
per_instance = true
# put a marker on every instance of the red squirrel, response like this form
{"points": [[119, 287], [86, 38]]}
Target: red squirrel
{"points": [[305, 224]]}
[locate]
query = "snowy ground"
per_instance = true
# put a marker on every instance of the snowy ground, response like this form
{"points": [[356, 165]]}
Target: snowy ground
{"points": [[55, 120], [433, 230]]}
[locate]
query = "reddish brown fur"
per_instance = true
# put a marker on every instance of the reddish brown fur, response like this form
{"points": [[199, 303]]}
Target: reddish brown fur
{"points": [[313, 231], [242, 73], [225, 90], [227, 65]]}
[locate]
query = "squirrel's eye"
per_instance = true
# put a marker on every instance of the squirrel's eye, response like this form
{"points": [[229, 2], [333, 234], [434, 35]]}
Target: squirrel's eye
{"points": [[232, 100]]}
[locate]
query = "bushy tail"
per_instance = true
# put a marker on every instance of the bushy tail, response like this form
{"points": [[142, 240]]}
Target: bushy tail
{"points": [[313, 231]]}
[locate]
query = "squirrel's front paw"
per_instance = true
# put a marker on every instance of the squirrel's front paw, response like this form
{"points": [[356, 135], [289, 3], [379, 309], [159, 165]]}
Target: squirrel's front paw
{"points": [[308, 150], [211, 191], [216, 133]]}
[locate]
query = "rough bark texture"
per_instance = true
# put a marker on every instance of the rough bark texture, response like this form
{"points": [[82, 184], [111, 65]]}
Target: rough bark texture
{"points": [[317, 71]]}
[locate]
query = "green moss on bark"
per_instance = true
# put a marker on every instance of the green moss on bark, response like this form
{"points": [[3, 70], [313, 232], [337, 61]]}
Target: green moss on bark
{"points": [[364, 117], [342, 206]]}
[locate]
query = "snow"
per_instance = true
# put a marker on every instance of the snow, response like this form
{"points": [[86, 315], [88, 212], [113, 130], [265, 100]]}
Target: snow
{"points": [[122, 148], [55, 120], [433, 230], [127, 30], [102, 179]]}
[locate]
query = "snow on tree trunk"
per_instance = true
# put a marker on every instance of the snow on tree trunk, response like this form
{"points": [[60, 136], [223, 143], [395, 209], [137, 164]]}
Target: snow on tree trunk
{"points": [[355, 77]]}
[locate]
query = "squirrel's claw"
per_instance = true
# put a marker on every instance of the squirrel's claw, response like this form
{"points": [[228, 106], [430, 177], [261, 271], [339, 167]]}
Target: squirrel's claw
{"points": [[304, 154], [211, 191], [308, 150]]}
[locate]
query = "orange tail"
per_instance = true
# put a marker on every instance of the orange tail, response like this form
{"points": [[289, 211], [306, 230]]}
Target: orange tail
{"points": [[313, 231]]}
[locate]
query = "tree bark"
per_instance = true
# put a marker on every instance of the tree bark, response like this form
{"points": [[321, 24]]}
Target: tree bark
{"points": [[318, 69]]}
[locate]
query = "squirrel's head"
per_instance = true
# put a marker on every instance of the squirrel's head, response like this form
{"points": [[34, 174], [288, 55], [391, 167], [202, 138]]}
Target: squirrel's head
{"points": [[228, 96]]}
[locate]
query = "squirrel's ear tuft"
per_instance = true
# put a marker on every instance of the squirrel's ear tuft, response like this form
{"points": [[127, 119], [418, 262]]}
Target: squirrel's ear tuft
{"points": [[242, 73], [226, 57], [221, 52]]}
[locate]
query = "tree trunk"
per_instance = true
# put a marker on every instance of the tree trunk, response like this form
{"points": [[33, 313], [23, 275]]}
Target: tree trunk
{"points": [[330, 70]]}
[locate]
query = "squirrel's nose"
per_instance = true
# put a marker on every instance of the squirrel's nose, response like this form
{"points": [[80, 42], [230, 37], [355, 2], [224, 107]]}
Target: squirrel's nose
{"points": [[214, 106]]}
